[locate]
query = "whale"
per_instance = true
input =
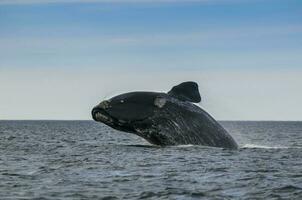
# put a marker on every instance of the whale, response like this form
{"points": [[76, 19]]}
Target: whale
{"points": [[164, 119]]}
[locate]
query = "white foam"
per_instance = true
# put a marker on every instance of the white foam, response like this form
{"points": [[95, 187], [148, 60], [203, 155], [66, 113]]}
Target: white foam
{"points": [[263, 146], [186, 145]]}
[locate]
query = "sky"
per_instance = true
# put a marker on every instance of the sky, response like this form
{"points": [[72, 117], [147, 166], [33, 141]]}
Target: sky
{"points": [[59, 58]]}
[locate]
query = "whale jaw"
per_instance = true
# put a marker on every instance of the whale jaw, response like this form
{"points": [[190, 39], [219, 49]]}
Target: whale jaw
{"points": [[101, 115]]}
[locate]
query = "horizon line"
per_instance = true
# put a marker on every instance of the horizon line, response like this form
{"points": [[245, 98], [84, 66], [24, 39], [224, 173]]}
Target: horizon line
{"points": [[220, 120]]}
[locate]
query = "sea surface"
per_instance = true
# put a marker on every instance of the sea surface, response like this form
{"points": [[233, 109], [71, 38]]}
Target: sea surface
{"points": [[88, 160]]}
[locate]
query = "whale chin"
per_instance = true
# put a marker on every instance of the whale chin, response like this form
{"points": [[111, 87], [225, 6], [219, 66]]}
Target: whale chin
{"points": [[100, 115]]}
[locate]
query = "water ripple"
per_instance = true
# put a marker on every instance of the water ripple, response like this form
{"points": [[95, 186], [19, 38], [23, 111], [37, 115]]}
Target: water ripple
{"points": [[86, 160]]}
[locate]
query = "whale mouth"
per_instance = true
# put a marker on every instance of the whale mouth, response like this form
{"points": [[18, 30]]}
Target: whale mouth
{"points": [[101, 115]]}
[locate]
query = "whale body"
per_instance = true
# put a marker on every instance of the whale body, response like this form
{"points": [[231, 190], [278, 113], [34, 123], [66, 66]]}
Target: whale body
{"points": [[164, 118]]}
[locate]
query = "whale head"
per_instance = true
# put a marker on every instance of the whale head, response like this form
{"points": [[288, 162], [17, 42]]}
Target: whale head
{"points": [[124, 111], [140, 112]]}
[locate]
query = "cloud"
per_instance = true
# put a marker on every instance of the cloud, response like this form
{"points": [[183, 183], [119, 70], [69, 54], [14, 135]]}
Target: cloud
{"points": [[243, 47], [200, 37], [24, 2]]}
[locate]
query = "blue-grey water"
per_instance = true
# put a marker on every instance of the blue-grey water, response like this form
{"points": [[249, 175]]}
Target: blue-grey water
{"points": [[87, 160]]}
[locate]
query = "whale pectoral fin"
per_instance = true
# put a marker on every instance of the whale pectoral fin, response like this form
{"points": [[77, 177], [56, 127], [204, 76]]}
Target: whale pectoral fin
{"points": [[186, 91], [155, 140], [158, 139]]}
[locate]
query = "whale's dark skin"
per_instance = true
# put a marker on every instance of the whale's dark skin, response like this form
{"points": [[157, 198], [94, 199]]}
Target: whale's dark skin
{"points": [[164, 118]]}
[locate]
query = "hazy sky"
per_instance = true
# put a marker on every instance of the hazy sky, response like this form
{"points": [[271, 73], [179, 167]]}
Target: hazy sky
{"points": [[58, 58]]}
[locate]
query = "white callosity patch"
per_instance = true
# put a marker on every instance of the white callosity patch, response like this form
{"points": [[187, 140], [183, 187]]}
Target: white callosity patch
{"points": [[160, 102], [104, 104], [100, 117]]}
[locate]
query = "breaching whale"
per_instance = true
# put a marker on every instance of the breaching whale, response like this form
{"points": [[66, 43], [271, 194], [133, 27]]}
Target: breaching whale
{"points": [[164, 118]]}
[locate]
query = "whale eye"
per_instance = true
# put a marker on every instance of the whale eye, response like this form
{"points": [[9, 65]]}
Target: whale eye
{"points": [[122, 101], [160, 102]]}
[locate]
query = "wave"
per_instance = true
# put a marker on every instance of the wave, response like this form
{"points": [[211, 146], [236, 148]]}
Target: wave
{"points": [[185, 145], [245, 146], [255, 146]]}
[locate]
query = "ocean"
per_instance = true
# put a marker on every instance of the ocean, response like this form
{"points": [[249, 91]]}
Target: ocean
{"points": [[88, 160]]}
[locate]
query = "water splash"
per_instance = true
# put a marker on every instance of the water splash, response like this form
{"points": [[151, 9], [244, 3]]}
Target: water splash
{"points": [[255, 146], [186, 145]]}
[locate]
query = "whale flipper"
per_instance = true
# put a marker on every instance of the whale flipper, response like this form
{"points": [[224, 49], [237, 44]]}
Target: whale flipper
{"points": [[186, 91]]}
